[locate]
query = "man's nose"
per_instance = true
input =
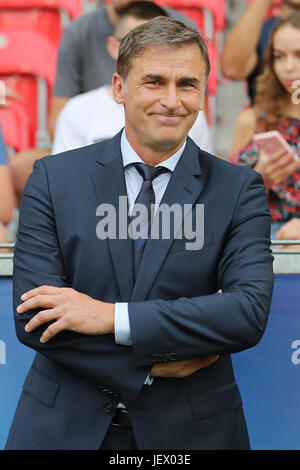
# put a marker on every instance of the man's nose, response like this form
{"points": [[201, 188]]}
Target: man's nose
{"points": [[170, 97]]}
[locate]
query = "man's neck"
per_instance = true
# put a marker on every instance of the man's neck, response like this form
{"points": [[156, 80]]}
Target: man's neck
{"points": [[152, 156]]}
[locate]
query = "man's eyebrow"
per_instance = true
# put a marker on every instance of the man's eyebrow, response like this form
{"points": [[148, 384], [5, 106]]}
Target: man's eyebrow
{"points": [[189, 80], [151, 76]]}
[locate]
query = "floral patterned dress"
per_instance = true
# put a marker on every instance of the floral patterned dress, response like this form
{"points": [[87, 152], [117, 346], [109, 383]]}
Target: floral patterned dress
{"points": [[284, 198]]}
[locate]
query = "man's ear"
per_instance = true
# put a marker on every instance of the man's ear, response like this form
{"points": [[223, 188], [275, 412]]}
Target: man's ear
{"points": [[112, 46], [119, 88]]}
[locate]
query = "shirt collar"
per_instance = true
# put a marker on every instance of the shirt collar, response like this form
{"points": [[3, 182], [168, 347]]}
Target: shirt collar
{"points": [[130, 156]]}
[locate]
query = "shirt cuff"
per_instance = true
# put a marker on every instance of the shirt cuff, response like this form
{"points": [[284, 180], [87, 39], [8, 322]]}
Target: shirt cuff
{"points": [[122, 326], [122, 330]]}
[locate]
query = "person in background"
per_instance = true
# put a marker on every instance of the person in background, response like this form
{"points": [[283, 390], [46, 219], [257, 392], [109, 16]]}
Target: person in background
{"points": [[83, 61], [276, 108], [6, 194], [94, 115], [245, 45], [83, 65]]}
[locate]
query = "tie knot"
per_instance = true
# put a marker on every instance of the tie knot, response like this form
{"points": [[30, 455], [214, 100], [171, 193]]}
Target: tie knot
{"points": [[148, 172]]}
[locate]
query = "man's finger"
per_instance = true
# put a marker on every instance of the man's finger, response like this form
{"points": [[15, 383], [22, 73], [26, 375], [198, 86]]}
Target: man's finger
{"points": [[194, 365], [40, 318], [182, 369], [167, 369], [48, 290], [38, 301], [52, 331], [207, 361]]}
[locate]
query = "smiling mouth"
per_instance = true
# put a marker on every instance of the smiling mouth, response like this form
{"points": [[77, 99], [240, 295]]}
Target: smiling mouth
{"points": [[168, 120], [168, 115]]}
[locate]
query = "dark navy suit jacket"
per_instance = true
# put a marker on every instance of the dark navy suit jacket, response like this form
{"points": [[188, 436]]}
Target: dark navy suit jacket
{"points": [[175, 312]]}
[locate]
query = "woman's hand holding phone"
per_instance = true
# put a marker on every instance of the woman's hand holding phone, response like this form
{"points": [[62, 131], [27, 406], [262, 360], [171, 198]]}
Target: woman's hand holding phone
{"points": [[276, 168], [277, 159]]}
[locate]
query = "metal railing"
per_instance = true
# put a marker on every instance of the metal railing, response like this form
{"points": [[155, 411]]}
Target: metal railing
{"points": [[6, 259], [286, 261]]}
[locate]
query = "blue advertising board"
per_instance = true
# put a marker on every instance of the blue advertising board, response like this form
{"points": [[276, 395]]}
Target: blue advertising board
{"points": [[268, 374], [15, 360]]}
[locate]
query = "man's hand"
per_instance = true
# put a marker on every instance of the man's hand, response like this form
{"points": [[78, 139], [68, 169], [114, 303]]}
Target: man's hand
{"points": [[289, 231], [69, 310], [182, 369], [276, 168]]}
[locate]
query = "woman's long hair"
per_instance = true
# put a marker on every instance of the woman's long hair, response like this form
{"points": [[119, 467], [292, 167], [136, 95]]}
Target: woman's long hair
{"points": [[270, 95]]}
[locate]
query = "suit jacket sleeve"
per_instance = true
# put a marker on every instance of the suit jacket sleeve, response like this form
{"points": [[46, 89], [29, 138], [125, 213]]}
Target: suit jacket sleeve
{"points": [[219, 323], [38, 261]]}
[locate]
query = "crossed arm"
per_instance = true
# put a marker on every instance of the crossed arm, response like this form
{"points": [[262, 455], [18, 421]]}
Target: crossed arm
{"points": [[74, 311], [76, 331]]}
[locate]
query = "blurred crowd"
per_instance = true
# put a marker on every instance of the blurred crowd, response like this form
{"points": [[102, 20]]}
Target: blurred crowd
{"points": [[262, 49]]}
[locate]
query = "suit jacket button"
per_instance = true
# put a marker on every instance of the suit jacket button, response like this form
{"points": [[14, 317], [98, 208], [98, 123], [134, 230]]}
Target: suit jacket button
{"points": [[108, 407]]}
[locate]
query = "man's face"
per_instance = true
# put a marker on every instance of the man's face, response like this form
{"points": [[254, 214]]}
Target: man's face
{"points": [[162, 96]]}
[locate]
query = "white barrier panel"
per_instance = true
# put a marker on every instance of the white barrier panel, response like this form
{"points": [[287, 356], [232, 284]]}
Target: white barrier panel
{"points": [[286, 261]]}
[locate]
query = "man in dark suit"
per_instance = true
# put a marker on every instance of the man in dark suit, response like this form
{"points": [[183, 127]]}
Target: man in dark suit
{"points": [[133, 335]]}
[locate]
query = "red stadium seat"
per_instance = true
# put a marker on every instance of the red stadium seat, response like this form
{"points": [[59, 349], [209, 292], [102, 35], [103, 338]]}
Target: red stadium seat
{"points": [[27, 65], [15, 127], [48, 17], [71, 7], [209, 15], [212, 84]]}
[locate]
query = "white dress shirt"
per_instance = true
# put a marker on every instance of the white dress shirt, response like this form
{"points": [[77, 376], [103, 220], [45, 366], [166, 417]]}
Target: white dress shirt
{"points": [[134, 183]]}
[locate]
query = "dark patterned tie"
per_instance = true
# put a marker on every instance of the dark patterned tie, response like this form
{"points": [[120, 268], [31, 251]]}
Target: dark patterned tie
{"points": [[146, 197]]}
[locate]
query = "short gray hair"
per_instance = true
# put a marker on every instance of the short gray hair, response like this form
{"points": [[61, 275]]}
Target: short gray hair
{"points": [[160, 32]]}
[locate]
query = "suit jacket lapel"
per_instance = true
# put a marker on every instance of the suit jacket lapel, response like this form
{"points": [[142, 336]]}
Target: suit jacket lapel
{"points": [[184, 187], [109, 183]]}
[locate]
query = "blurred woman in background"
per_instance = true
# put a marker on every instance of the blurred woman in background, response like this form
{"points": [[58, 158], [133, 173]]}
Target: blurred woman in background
{"points": [[276, 107]]}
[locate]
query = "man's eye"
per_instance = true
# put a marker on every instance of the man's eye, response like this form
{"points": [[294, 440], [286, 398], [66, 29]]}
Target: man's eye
{"points": [[187, 84]]}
